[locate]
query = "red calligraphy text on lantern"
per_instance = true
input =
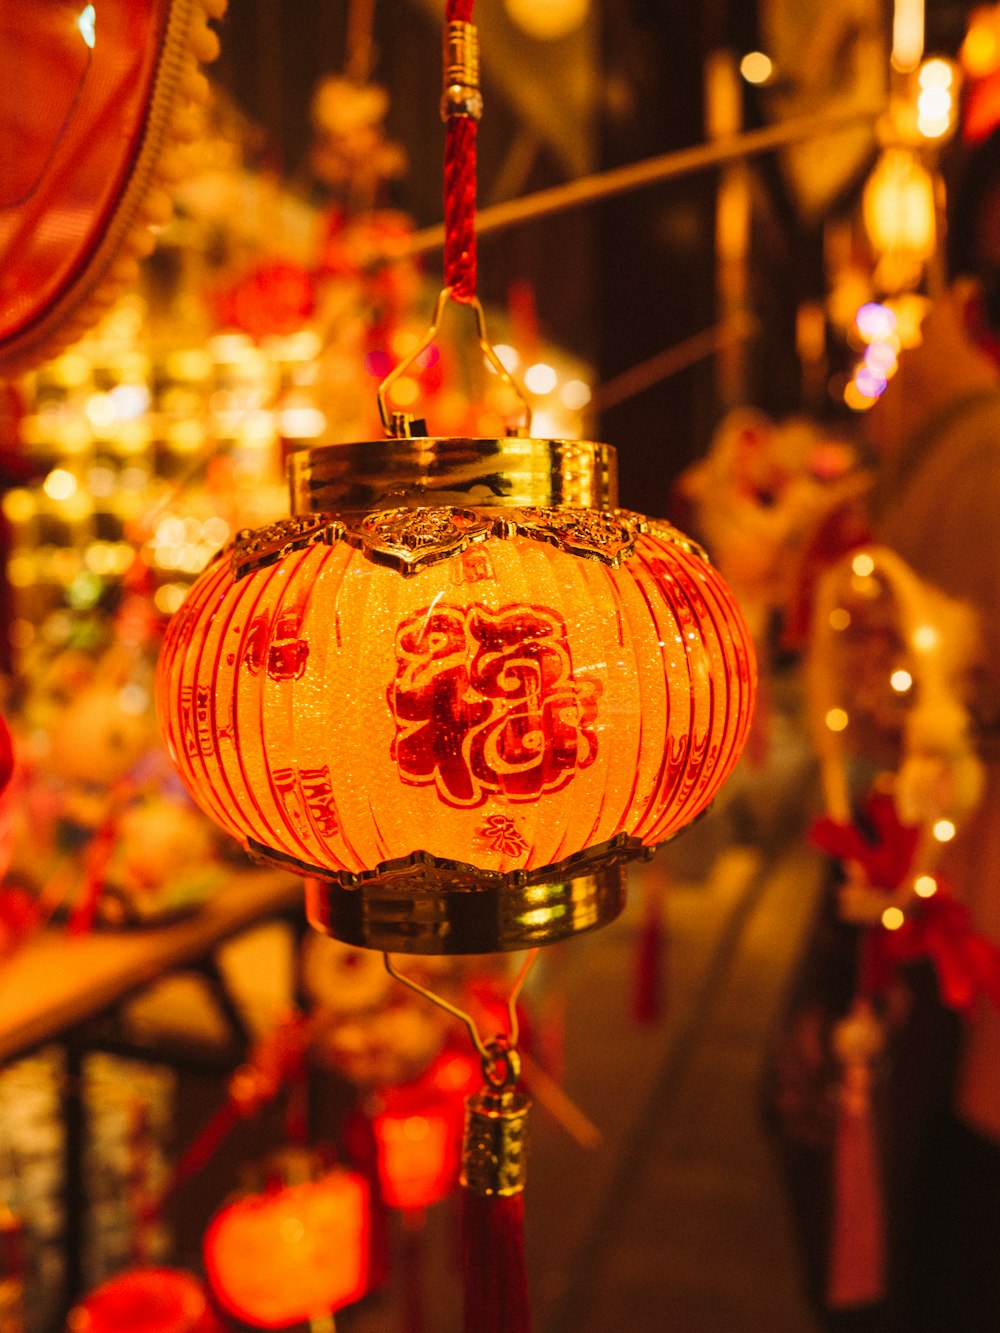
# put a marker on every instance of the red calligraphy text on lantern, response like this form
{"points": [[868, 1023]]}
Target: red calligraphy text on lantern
{"points": [[281, 649], [499, 833], [487, 701], [196, 720], [475, 566], [308, 797]]}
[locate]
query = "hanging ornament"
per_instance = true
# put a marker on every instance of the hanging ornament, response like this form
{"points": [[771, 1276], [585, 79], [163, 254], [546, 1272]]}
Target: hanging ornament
{"points": [[900, 217], [294, 1253], [459, 689], [146, 1300]]}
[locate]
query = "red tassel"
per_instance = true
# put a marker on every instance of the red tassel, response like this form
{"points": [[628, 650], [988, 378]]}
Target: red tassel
{"points": [[496, 1283], [493, 1174], [857, 1241]]}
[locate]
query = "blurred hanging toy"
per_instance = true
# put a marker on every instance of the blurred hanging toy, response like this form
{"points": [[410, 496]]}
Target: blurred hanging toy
{"points": [[757, 498], [889, 665], [351, 155], [98, 827]]}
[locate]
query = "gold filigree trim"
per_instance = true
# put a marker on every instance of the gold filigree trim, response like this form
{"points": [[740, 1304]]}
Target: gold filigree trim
{"points": [[595, 534], [256, 548], [666, 532], [411, 539], [408, 540]]}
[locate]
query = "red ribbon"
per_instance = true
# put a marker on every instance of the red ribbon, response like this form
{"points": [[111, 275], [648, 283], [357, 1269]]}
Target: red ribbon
{"points": [[939, 928]]}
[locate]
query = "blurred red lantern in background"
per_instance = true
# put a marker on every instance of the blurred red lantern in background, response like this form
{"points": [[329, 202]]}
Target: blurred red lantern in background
{"points": [[146, 1300], [418, 1132], [292, 1254]]}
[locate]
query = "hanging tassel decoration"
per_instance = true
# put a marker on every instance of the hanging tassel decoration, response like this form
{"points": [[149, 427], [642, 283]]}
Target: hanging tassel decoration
{"points": [[493, 1177], [856, 1274]]}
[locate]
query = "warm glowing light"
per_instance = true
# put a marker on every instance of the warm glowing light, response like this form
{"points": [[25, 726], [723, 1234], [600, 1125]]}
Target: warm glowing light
{"points": [[980, 51], [882, 357], [837, 719], [934, 103], [925, 638], [936, 73], [901, 681], [575, 395], [870, 380], [87, 24], [892, 918], [863, 565], [548, 20], [405, 392], [756, 67], [925, 886], [540, 379], [933, 127], [508, 357], [898, 206], [59, 484], [168, 598], [404, 342], [875, 322], [944, 830], [307, 621], [840, 618], [301, 423], [101, 412], [907, 34], [855, 399], [19, 506]]}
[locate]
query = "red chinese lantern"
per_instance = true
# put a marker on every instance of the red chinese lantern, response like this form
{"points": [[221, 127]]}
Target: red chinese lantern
{"points": [[295, 1253], [459, 689], [461, 719], [146, 1300]]}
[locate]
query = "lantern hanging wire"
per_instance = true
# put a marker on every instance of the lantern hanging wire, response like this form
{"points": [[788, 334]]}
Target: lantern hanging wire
{"points": [[461, 108], [487, 1051]]}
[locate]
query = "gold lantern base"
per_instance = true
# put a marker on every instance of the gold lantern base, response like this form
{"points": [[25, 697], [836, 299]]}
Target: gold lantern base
{"points": [[423, 904]]}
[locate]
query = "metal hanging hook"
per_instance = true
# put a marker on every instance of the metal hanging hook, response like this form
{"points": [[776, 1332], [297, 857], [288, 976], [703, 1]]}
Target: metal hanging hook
{"points": [[398, 424], [499, 1053]]}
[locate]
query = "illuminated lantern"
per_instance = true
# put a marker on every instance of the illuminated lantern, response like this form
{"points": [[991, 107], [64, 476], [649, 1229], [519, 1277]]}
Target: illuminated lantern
{"points": [[548, 20], [418, 1133], [292, 1254], [899, 213], [146, 1300], [459, 689]]}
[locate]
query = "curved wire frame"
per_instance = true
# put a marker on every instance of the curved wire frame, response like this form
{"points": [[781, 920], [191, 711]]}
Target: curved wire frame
{"points": [[488, 1052], [390, 420]]}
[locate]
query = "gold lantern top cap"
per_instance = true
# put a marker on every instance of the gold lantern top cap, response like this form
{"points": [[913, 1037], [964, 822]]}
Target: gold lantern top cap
{"points": [[425, 470]]}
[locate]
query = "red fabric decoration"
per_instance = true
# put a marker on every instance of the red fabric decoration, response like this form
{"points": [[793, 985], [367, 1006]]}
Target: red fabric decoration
{"points": [[460, 188], [274, 298], [857, 1244], [885, 855], [938, 928]]}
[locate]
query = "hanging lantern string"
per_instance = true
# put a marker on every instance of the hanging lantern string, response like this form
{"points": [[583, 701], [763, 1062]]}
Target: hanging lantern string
{"points": [[496, 1055], [461, 107]]}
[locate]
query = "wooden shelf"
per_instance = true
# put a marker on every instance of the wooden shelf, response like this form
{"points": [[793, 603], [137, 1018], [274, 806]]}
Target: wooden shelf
{"points": [[57, 982]]}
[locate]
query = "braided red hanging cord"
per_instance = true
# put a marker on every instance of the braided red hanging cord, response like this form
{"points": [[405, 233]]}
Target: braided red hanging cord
{"points": [[460, 188]]}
